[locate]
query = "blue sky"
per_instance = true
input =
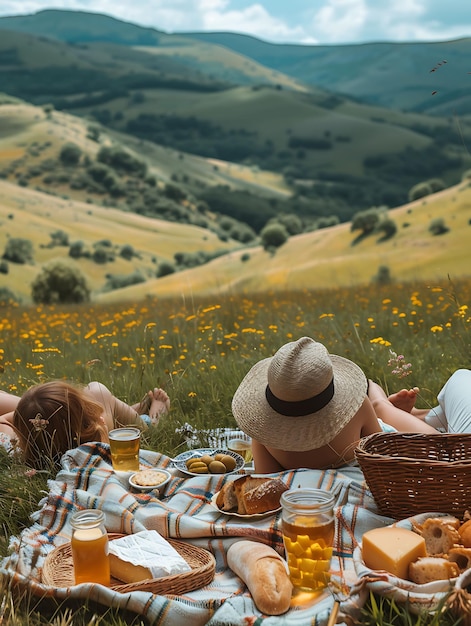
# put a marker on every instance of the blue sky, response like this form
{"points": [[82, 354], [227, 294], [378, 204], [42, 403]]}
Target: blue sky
{"points": [[293, 21]]}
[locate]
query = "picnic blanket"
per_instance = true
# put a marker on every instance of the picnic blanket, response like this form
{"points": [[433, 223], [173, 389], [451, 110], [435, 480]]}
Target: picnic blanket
{"points": [[184, 512]]}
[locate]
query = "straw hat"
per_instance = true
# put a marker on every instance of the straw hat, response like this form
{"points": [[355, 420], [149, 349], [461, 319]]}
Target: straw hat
{"points": [[300, 398]]}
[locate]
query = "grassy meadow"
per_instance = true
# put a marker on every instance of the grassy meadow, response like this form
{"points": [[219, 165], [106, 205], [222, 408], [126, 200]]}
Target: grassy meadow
{"points": [[199, 350]]}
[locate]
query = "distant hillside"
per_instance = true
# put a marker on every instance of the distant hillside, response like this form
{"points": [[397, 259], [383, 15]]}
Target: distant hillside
{"points": [[327, 258], [404, 76], [171, 55], [37, 217], [107, 168], [385, 74]]}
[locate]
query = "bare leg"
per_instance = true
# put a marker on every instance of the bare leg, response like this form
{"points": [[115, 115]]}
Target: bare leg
{"points": [[8, 402], [118, 413], [402, 420], [159, 404], [405, 399]]}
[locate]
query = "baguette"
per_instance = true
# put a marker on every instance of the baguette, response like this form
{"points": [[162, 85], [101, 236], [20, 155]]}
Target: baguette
{"points": [[264, 572]]}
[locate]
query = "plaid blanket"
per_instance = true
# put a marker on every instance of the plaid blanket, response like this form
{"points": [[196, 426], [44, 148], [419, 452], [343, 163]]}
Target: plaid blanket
{"points": [[184, 512]]}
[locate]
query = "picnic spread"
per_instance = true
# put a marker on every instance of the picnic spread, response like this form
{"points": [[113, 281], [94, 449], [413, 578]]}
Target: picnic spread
{"points": [[184, 512]]}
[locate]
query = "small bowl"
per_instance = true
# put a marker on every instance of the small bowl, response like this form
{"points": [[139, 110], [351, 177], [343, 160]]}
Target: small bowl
{"points": [[156, 478]]}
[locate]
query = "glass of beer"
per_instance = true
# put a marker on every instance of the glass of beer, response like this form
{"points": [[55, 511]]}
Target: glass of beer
{"points": [[124, 448], [308, 534], [90, 547], [242, 444]]}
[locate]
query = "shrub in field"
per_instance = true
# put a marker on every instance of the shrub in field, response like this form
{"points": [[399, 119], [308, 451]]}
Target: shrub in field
{"points": [[118, 281], [388, 227], [7, 296], [60, 281], [326, 222], [121, 160], [59, 238], [366, 221], [293, 223], [165, 268], [438, 226], [273, 236], [70, 154], [127, 252], [420, 191], [102, 254], [77, 249], [19, 250], [383, 276]]}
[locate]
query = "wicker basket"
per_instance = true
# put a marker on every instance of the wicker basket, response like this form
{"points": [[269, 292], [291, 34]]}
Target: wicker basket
{"points": [[58, 571], [417, 473]]}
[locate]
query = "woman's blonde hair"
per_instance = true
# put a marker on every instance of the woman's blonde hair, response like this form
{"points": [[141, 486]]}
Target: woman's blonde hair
{"points": [[54, 417]]}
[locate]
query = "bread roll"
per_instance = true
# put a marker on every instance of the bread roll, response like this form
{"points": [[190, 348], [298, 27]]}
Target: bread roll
{"points": [[439, 535], [465, 533], [264, 572], [461, 556], [429, 568], [264, 497], [251, 495], [226, 499]]}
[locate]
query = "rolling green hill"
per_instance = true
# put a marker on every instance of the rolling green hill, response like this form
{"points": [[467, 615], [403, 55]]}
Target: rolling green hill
{"points": [[336, 154], [403, 76], [31, 138], [104, 38], [385, 74], [327, 258]]}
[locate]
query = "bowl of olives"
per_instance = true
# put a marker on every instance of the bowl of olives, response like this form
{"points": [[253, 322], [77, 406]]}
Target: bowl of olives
{"points": [[208, 461]]}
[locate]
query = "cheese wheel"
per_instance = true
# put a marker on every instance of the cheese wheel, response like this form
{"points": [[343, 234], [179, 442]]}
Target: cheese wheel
{"points": [[392, 549]]}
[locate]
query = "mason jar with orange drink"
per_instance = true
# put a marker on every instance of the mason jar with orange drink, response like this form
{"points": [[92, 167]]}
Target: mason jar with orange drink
{"points": [[90, 547], [308, 535]]}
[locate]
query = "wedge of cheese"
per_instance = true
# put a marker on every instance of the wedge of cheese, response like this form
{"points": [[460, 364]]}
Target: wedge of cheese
{"points": [[392, 549], [144, 555]]}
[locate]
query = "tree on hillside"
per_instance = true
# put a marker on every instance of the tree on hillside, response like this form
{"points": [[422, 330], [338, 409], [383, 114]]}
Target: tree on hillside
{"points": [[70, 154], [273, 236], [366, 221], [60, 282], [383, 276], [388, 227], [426, 188], [438, 226], [19, 250], [290, 221]]}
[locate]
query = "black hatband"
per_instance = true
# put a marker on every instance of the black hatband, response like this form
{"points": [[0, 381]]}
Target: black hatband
{"points": [[302, 407]]}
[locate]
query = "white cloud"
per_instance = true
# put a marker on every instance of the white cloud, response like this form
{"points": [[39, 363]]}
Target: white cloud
{"points": [[254, 20], [340, 20], [294, 21]]}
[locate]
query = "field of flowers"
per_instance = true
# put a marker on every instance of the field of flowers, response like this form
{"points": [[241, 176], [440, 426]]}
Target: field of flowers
{"points": [[199, 351]]}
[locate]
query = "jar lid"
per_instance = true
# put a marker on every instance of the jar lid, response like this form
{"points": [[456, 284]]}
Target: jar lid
{"points": [[88, 518], [306, 499]]}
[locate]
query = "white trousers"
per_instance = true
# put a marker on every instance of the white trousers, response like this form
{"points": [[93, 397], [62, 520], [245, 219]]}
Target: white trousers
{"points": [[453, 414]]}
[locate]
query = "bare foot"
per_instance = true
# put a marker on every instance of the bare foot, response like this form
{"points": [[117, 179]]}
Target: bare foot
{"points": [[159, 404], [404, 399]]}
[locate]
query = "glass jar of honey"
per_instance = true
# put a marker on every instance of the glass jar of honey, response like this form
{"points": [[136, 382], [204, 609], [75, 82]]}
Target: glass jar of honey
{"points": [[90, 547], [308, 535]]}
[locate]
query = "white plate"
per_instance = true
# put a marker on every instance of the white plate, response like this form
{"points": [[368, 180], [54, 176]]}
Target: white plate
{"points": [[159, 486], [251, 516], [180, 460]]}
